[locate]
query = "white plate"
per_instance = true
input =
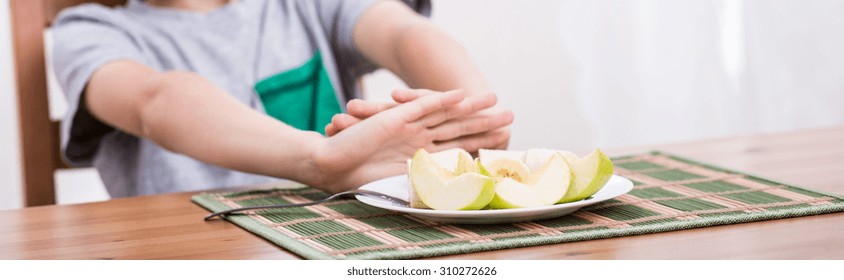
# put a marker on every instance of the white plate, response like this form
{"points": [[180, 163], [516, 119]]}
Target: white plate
{"points": [[398, 186]]}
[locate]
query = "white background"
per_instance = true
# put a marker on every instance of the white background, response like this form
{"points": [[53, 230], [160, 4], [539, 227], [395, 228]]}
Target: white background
{"points": [[604, 73], [9, 155]]}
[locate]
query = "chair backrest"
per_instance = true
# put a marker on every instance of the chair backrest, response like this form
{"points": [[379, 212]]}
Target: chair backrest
{"points": [[39, 136]]}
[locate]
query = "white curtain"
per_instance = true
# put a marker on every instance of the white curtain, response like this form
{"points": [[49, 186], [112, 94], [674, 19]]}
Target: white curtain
{"points": [[664, 71]]}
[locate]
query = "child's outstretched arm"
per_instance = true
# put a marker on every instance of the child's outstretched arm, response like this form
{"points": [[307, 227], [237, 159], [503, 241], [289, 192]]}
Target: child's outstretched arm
{"points": [[394, 37], [185, 113]]}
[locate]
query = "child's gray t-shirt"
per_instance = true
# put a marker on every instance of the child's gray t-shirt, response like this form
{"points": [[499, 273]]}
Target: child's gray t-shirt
{"points": [[234, 47]]}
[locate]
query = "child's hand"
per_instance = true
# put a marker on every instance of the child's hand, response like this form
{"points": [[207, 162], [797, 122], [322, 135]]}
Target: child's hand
{"points": [[379, 146], [475, 117], [359, 109]]}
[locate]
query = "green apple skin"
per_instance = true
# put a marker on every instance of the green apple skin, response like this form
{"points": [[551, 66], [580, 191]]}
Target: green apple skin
{"points": [[481, 168], [500, 203], [457, 159], [440, 189], [465, 164], [591, 173], [544, 187], [485, 194]]}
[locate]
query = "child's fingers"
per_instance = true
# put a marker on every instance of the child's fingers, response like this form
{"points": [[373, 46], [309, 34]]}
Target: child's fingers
{"points": [[329, 130], [476, 142], [364, 109], [407, 95], [502, 145], [469, 106], [460, 127], [414, 110], [343, 121]]}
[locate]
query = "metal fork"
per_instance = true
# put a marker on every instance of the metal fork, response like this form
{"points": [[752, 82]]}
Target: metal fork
{"points": [[390, 199]]}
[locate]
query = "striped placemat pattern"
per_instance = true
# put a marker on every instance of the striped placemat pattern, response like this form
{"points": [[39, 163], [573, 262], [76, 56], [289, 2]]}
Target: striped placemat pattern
{"points": [[670, 193]]}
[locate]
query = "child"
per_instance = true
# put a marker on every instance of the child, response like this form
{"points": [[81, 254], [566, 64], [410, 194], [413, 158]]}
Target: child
{"points": [[182, 95]]}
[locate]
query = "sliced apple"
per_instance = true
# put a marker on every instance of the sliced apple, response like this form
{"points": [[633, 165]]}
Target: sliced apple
{"points": [[591, 173], [451, 159], [508, 168], [535, 158], [440, 189], [448, 159], [488, 156], [544, 186], [465, 164]]}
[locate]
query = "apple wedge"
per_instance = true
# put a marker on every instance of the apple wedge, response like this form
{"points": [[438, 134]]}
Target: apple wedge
{"points": [[535, 158], [591, 173], [452, 159], [438, 188], [517, 186], [448, 158], [488, 156]]}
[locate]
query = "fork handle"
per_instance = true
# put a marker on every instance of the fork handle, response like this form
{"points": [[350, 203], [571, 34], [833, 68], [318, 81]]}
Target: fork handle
{"points": [[337, 195], [277, 206]]}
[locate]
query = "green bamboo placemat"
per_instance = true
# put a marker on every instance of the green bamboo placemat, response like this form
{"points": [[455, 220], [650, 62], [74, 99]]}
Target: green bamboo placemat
{"points": [[670, 193]]}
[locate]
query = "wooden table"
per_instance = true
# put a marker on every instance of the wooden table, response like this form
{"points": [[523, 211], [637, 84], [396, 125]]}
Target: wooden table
{"points": [[171, 227]]}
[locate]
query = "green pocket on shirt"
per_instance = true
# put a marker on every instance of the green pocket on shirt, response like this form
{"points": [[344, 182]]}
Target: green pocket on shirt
{"points": [[301, 97]]}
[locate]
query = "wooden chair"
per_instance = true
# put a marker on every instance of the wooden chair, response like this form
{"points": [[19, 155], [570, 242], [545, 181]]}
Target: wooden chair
{"points": [[39, 136]]}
